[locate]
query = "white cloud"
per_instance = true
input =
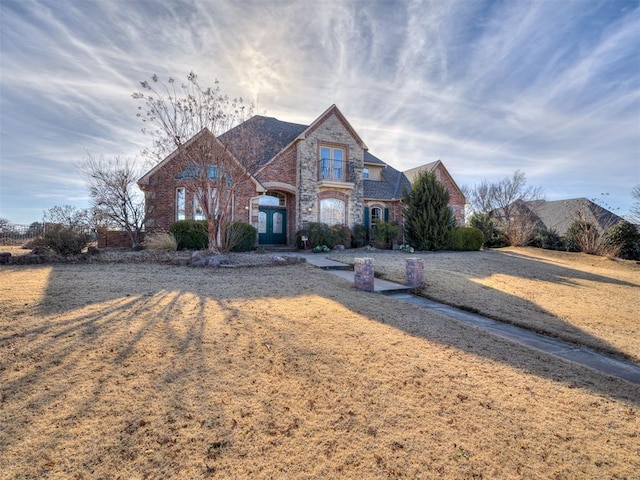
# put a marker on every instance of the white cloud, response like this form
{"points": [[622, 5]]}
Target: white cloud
{"points": [[550, 88]]}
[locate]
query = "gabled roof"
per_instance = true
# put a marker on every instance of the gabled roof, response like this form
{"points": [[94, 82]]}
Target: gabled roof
{"points": [[412, 173], [432, 167], [333, 109], [144, 180], [560, 214]]}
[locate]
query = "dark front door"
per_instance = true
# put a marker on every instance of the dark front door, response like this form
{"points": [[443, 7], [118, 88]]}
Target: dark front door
{"points": [[272, 226]]}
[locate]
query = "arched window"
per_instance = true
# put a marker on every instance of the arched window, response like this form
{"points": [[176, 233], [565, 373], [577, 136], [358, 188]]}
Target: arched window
{"points": [[332, 211], [376, 215], [272, 199]]}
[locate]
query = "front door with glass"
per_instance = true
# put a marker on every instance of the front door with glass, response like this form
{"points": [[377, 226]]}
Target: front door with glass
{"points": [[272, 226]]}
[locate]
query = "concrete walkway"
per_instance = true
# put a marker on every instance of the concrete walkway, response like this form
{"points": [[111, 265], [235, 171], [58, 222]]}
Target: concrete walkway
{"points": [[598, 361]]}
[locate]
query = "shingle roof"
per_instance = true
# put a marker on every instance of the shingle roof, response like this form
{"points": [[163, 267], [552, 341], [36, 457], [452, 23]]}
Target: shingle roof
{"points": [[372, 159], [392, 185], [560, 214], [272, 134], [428, 167]]}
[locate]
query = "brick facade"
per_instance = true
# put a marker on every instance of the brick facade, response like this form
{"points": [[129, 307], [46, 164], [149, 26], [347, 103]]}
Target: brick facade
{"points": [[292, 174]]}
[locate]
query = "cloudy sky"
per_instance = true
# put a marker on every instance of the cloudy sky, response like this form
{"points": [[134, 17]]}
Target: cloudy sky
{"points": [[550, 87]]}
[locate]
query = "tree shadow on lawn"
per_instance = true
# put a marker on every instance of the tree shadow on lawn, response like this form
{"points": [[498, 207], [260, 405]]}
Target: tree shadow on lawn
{"points": [[126, 290], [455, 283], [152, 345]]}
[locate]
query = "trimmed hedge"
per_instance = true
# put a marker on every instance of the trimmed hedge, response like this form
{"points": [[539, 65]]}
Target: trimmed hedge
{"points": [[191, 234], [466, 239]]}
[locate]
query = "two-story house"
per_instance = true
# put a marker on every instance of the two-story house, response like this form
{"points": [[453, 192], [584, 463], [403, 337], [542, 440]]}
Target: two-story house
{"points": [[320, 172]]}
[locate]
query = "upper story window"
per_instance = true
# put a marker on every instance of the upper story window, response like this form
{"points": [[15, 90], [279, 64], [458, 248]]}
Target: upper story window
{"points": [[332, 163], [365, 173]]}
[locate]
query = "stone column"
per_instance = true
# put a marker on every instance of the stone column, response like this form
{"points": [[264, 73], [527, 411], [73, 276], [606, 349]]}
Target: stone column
{"points": [[363, 274], [415, 273]]}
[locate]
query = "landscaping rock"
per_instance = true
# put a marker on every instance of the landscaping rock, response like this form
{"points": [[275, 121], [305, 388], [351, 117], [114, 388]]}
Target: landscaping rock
{"points": [[217, 260], [5, 258], [198, 259]]}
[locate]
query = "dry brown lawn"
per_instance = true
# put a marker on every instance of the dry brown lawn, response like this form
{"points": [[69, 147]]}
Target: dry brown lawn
{"points": [[156, 371], [580, 298]]}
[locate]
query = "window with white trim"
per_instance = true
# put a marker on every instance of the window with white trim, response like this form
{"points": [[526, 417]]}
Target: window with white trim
{"points": [[332, 211]]}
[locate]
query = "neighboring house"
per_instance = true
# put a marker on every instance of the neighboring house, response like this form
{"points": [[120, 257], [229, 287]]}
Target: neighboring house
{"points": [[558, 215], [321, 172]]}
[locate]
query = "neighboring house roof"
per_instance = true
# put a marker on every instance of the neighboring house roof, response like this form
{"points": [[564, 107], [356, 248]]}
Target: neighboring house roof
{"points": [[558, 215]]}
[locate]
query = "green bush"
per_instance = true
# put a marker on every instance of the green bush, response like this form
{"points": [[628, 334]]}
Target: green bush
{"points": [[466, 239], [241, 237], [190, 234], [626, 237], [323, 234], [547, 239], [385, 233], [359, 235], [341, 235], [493, 238]]}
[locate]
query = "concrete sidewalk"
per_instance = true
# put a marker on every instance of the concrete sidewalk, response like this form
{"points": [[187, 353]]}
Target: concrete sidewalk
{"points": [[606, 364]]}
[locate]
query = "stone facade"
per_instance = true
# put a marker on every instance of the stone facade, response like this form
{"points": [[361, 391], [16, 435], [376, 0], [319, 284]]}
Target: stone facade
{"points": [[330, 131]]}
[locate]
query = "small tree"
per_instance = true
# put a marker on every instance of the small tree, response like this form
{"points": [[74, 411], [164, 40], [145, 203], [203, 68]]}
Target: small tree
{"points": [[215, 165], [69, 216], [428, 219], [115, 194]]}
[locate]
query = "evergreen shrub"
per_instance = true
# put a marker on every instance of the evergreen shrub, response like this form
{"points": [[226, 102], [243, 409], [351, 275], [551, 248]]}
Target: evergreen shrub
{"points": [[467, 239], [191, 234]]}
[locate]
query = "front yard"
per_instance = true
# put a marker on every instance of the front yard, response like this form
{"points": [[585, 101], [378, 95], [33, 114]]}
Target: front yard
{"points": [[158, 371]]}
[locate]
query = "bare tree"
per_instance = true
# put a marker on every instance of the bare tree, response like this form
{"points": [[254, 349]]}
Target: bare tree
{"points": [[191, 121], [506, 201], [114, 192], [68, 216]]}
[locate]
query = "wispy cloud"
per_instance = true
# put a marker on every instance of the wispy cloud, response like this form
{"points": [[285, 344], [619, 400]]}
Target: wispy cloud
{"points": [[550, 88]]}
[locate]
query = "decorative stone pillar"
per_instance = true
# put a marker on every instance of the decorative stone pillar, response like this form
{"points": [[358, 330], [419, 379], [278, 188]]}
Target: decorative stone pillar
{"points": [[363, 274], [415, 273]]}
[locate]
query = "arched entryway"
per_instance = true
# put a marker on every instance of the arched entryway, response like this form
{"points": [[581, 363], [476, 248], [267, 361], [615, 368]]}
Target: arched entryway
{"points": [[272, 219]]}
